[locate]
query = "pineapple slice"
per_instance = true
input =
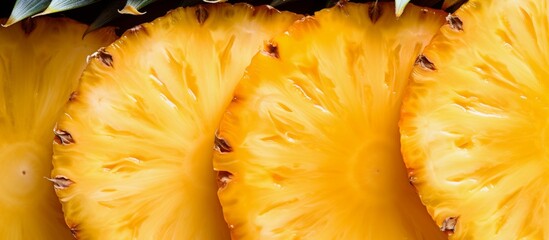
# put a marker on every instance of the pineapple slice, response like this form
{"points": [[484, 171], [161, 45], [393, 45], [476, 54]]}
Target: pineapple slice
{"points": [[133, 154], [40, 63], [475, 122], [309, 148]]}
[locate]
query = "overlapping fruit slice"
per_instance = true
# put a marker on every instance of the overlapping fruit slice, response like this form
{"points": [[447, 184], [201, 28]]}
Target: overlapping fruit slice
{"points": [[474, 126], [132, 158], [309, 147], [40, 63]]}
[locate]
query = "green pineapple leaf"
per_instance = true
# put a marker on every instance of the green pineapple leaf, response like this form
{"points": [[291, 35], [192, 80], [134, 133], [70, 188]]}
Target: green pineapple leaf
{"points": [[399, 6], [107, 14], [64, 5], [132, 7], [276, 3], [24, 9]]}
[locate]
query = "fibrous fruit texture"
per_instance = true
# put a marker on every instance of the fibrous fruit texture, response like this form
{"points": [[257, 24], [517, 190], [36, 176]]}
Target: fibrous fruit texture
{"points": [[309, 147], [133, 156], [474, 125], [40, 63]]}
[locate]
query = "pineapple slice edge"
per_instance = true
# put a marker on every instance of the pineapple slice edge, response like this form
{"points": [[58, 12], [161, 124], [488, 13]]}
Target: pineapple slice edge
{"points": [[313, 130], [473, 130], [40, 63], [142, 124]]}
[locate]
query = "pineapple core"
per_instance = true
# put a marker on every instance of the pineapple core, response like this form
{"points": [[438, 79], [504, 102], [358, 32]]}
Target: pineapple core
{"points": [[133, 156], [309, 147], [40, 63]]}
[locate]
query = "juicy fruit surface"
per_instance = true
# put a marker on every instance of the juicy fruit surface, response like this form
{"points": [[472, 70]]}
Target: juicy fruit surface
{"points": [[474, 131], [143, 121], [309, 146], [40, 63]]}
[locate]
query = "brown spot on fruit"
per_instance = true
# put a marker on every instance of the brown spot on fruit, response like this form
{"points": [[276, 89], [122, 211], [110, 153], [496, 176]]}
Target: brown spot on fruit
{"points": [[455, 22], [341, 3], [425, 63], [60, 182], [449, 225], [201, 14], [271, 49], [62, 137], [412, 180], [221, 145], [411, 177], [341, 6], [374, 12], [73, 96], [223, 178], [74, 230], [103, 56], [28, 25]]}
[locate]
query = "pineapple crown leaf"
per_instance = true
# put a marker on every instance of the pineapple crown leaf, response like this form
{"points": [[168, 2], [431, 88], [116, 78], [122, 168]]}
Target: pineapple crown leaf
{"points": [[24, 9], [276, 3], [111, 10], [132, 6], [64, 5], [399, 6], [109, 13], [27, 8]]}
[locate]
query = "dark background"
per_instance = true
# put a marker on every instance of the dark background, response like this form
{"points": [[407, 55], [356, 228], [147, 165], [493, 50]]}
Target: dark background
{"points": [[89, 13]]}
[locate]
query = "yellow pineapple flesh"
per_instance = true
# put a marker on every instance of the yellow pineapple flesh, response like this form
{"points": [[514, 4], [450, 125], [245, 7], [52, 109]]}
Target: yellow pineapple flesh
{"points": [[474, 125], [40, 63], [133, 156], [309, 147]]}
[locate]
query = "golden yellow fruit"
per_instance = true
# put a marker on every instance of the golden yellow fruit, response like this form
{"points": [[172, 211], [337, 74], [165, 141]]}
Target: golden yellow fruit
{"points": [[40, 62], [474, 124], [134, 147], [309, 147]]}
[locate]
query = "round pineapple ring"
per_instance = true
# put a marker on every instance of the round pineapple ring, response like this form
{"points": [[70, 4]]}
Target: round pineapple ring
{"points": [[474, 126], [309, 147], [40, 63], [133, 152]]}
